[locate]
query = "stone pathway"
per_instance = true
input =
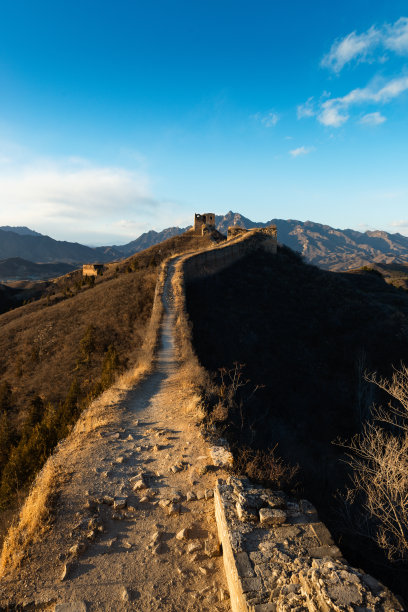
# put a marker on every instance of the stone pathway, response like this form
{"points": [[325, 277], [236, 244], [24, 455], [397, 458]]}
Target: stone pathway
{"points": [[134, 527]]}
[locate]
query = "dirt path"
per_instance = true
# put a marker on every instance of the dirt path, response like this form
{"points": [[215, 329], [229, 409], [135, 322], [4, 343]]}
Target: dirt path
{"points": [[117, 541]]}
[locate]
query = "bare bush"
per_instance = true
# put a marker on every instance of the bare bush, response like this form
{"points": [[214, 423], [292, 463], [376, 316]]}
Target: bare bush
{"points": [[379, 460], [265, 466]]}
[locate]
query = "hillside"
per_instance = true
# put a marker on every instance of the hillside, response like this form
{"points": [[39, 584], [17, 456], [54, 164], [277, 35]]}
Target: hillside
{"points": [[9, 298], [394, 274], [61, 351], [304, 337], [17, 268]]}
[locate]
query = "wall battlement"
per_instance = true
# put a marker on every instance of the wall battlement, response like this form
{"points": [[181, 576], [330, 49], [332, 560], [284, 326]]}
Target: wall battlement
{"points": [[203, 223]]}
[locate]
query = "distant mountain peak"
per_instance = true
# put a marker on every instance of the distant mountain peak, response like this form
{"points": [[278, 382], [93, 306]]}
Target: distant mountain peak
{"points": [[22, 230]]}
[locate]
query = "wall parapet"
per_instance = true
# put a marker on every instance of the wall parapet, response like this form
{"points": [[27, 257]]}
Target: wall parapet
{"points": [[219, 257], [278, 556]]}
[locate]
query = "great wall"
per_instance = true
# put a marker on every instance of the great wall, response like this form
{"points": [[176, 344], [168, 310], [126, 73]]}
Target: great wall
{"points": [[142, 498]]}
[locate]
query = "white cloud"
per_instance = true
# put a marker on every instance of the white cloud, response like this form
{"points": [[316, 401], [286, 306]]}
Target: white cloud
{"points": [[334, 112], [396, 36], [373, 119], [76, 200], [66, 190], [307, 109], [362, 47], [301, 151], [269, 119], [401, 223], [352, 46]]}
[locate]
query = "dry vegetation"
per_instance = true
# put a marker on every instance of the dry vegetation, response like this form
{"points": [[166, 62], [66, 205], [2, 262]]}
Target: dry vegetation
{"points": [[306, 336], [379, 459], [34, 517], [61, 352]]}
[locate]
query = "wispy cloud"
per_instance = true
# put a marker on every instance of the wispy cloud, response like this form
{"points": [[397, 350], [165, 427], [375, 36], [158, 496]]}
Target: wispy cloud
{"points": [[72, 188], [373, 119], [75, 199], [307, 109], [363, 47], [401, 223], [301, 151], [334, 112], [269, 119]]}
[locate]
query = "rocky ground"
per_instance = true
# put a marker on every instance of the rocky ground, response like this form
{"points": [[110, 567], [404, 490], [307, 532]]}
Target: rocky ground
{"points": [[134, 527]]}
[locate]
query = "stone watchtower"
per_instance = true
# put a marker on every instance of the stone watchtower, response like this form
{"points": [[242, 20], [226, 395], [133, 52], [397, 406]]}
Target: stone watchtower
{"points": [[203, 223]]}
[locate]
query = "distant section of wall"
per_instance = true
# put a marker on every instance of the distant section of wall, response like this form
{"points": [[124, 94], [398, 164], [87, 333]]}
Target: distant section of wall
{"points": [[235, 230], [214, 260], [92, 269]]}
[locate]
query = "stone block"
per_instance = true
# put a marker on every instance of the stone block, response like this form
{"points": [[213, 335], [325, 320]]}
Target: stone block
{"points": [[271, 516], [251, 584], [264, 607], [72, 606], [286, 532], [246, 514], [322, 534], [319, 552], [243, 565]]}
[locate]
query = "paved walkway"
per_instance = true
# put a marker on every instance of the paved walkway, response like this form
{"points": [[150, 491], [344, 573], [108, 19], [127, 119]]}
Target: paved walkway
{"points": [[118, 541]]}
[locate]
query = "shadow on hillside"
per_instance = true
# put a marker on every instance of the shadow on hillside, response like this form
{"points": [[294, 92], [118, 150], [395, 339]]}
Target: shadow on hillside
{"points": [[306, 336]]}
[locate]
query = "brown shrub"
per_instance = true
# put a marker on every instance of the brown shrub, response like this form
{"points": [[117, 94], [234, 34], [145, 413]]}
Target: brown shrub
{"points": [[265, 467]]}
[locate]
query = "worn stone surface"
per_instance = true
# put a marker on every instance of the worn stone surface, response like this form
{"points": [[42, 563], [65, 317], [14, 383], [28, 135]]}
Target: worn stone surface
{"points": [[279, 557], [73, 606]]}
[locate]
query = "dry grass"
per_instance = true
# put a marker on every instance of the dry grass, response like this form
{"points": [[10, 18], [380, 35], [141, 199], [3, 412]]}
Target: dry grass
{"points": [[191, 373], [34, 517]]}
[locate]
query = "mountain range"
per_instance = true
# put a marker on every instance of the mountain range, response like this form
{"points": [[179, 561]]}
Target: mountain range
{"points": [[322, 245]]}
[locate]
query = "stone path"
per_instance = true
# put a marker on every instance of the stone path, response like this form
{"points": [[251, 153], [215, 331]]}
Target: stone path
{"points": [[134, 528]]}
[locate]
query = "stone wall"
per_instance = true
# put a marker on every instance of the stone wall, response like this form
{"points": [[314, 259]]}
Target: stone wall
{"points": [[220, 257], [278, 556]]}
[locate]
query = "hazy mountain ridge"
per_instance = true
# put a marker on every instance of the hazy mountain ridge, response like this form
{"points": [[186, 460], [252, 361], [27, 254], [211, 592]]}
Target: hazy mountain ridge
{"points": [[22, 230], [148, 239], [16, 268], [43, 249], [322, 245]]}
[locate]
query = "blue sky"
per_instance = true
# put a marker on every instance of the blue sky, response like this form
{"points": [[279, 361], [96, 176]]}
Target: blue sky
{"points": [[116, 118]]}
